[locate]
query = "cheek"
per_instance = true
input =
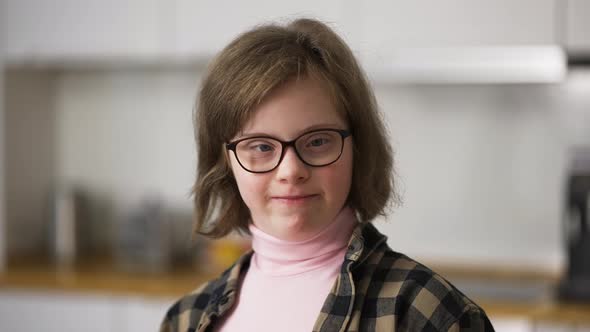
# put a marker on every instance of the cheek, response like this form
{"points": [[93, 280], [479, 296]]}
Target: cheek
{"points": [[250, 185], [337, 179]]}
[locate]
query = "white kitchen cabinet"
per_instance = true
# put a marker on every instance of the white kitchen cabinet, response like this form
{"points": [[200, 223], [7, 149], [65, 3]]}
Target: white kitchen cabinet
{"points": [[386, 25], [459, 41], [546, 326], [52, 311], [205, 27], [553, 327], [502, 324], [91, 30], [158, 30], [141, 314], [152, 31]]}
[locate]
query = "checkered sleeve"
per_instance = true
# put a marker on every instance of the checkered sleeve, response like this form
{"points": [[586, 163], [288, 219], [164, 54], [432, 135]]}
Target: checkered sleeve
{"points": [[166, 326], [186, 312], [197, 310], [472, 320]]}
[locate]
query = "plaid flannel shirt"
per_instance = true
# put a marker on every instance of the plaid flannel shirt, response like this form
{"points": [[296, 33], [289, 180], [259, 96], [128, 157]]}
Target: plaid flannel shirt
{"points": [[377, 289]]}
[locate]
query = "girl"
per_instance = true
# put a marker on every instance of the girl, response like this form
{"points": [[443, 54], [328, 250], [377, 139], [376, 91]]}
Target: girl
{"points": [[292, 150]]}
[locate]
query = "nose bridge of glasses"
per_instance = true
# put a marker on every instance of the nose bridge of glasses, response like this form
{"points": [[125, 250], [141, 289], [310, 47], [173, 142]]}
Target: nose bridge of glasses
{"points": [[285, 150]]}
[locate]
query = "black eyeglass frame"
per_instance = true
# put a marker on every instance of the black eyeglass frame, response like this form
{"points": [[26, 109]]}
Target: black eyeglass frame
{"points": [[231, 146]]}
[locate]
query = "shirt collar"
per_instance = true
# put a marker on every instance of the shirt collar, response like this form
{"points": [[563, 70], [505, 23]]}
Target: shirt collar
{"points": [[364, 241]]}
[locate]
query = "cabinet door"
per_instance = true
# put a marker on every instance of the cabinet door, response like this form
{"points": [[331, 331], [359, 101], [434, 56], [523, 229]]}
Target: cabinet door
{"points": [[505, 324], [205, 27], [386, 25], [43, 30], [553, 327], [141, 314], [461, 41], [21, 311]]}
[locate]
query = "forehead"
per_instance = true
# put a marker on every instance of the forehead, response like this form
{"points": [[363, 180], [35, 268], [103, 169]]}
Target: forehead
{"points": [[294, 107]]}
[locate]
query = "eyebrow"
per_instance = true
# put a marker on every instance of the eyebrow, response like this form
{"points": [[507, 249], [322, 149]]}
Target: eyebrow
{"points": [[303, 131]]}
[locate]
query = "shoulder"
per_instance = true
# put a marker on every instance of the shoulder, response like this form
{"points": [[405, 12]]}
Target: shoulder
{"points": [[191, 309], [395, 285]]}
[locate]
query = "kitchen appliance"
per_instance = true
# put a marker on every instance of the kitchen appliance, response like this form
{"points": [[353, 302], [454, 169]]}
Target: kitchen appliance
{"points": [[575, 285], [143, 241], [153, 237]]}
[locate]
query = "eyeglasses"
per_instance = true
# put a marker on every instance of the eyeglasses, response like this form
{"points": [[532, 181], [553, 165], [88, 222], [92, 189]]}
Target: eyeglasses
{"points": [[317, 148]]}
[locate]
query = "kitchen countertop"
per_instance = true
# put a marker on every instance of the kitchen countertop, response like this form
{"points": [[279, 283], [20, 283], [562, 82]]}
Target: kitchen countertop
{"points": [[102, 277], [99, 275]]}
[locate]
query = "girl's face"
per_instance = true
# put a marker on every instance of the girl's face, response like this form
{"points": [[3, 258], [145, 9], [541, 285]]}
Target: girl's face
{"points": [[295, 201]]}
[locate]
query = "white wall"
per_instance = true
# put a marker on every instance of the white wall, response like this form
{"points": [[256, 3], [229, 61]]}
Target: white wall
{"points": [[481, 168], [128, 133]]}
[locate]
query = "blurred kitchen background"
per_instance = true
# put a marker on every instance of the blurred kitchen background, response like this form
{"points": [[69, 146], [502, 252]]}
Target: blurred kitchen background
{"points": [[487, 103]]}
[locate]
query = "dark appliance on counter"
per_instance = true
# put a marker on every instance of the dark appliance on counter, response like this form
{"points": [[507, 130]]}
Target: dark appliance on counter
{"points": [[143, 242], [153, 237], [575, 285]]}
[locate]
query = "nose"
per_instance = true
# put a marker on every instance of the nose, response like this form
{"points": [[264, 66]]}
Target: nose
{"points": [[292, 169]]}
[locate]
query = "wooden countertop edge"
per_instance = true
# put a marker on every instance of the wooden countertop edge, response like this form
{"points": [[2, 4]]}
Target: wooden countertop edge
{"points": [[554, 312], [496, 273], [101, 277]]}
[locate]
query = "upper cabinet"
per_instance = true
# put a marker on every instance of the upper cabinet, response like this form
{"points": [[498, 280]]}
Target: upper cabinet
{"points": [[460, 41], [418, 23], [378, 26], [205, 27], [64, 30], [44, 30]]}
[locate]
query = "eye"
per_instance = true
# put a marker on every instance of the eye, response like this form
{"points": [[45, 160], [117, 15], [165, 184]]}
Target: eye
{"points": [[262, 147], [318, 141], [259, 146]]}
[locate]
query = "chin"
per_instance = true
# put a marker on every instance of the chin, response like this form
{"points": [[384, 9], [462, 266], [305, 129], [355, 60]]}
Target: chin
{"points": [[295, 228]]}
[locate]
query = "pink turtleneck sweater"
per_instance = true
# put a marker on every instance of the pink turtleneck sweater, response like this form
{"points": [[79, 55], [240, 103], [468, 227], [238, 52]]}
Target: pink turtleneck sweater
{"points": [[287, 282]]}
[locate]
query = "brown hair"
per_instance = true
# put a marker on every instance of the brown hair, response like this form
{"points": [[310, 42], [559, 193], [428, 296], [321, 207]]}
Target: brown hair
{"points": [[245, 71]]}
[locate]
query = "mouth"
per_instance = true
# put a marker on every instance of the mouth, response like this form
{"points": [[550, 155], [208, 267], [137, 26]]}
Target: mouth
{"points": [[296, 199]]}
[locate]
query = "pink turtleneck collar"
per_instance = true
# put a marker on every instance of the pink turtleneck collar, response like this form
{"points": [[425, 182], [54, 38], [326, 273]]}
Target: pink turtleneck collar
{"points": [[276, 257]]}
